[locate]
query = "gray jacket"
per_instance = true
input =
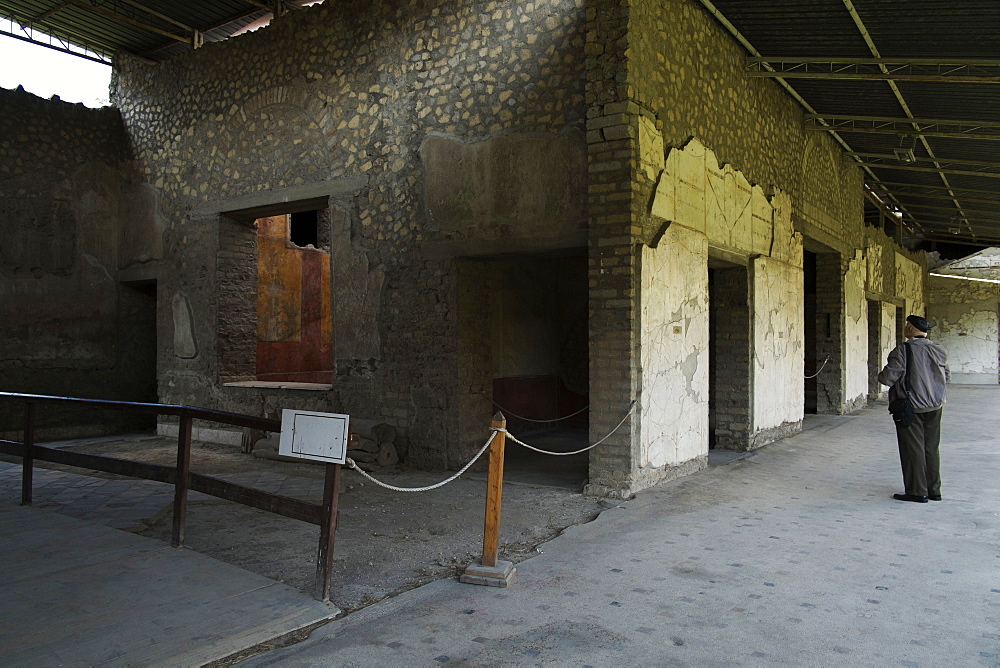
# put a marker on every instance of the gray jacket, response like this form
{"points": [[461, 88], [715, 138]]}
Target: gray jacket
{"points": [[928, 378]]}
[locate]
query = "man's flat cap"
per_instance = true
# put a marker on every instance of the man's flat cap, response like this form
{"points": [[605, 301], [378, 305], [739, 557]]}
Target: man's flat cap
{"points": [[919, 323]]}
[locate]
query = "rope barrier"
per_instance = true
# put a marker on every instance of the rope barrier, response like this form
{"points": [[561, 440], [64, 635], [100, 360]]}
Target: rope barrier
{"points": [[495, 430], [526, 419], [564, 454], [352, 464], [820, 369]]}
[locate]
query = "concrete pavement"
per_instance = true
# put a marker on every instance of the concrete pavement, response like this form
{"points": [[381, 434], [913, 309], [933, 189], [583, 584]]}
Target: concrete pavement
{"points": [[76, 593], [796, 555]]}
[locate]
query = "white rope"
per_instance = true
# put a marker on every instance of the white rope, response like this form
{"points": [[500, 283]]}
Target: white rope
{"points": [[820, 369], [350, 462], [521, 417], [563, 454]]}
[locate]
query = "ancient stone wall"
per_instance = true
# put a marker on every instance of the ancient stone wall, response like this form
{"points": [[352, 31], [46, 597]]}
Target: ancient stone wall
{"points": [[72, 215], [458, 125]]}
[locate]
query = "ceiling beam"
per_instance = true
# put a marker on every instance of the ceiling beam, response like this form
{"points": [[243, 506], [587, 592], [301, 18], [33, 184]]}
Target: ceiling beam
{"points": [[55, 39], [903, 126], [964, 242], [908, 188], [897, 93], [130, 21], [950, 198], [63, 46], [880, 69], [964, 213], [46, 14], [163, 17], [880, 161], [940, 161], [951, 214]]}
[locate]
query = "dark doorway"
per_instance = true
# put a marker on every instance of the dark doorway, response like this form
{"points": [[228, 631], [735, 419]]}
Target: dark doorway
{"points": [[809, 338], [729, 318], [874, 347], [528, 350]]}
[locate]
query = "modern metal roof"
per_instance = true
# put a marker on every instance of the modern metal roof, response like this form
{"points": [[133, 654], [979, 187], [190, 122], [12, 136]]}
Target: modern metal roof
{"points": [[910, 88], [151, 29]]}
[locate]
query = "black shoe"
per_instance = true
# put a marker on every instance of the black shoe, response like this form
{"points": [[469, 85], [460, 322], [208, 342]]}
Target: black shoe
{"points": [[910, 497], [932, 497]]}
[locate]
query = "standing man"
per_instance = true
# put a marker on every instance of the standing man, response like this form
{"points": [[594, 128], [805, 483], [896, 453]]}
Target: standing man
{"points": [[918, 443]]}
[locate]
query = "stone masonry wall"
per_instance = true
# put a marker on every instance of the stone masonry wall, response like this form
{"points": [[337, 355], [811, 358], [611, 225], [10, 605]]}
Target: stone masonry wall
{"points": [[381, 97], [66, 324]]}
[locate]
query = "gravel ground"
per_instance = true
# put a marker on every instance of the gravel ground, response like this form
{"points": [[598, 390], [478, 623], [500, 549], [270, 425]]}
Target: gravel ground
{"points": [[387, 542]]}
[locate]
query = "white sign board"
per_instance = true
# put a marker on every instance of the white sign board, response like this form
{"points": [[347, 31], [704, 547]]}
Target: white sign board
{"points": [[310, 435]]}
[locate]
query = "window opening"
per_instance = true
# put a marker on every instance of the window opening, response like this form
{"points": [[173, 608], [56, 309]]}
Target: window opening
{"points": [[304, 229]]}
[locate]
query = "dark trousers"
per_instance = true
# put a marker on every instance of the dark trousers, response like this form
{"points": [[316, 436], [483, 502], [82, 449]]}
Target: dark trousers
{"points": [[919, 455]]}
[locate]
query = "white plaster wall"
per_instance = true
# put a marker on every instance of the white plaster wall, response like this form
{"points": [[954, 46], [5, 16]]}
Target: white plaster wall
{"points": [[855, 330], [674, 349], [778, 340], [964, 315]]}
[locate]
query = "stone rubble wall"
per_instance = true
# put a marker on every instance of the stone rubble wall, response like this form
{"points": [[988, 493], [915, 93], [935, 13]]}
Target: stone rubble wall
{"points": [[463, 121], [72, 215]]}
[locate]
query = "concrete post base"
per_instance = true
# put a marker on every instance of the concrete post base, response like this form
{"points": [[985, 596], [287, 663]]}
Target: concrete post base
{"points": [[491, 576]]}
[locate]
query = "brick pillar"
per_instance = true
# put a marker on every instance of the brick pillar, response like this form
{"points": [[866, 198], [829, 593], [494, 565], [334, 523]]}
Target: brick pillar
{"points": [[612, 266]]}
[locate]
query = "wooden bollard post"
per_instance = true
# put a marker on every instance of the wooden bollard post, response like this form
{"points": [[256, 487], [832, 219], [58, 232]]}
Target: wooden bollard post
{"points": [[490, 570]]}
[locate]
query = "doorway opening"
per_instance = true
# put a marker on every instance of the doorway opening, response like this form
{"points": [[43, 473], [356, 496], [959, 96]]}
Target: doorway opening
{"points": [[874, 348], [809, 337], [523, 346], [824, 330], [729, 320]]}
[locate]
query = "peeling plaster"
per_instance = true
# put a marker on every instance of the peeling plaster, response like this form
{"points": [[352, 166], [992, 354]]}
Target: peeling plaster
{"points": [[965, 318], [855, 358], [674, 349], [778, 344]]}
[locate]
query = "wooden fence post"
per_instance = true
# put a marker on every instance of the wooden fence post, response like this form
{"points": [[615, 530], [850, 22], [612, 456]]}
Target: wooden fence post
{"points": [[181, 485], [327, 531], [28, 460], [491, 570]]}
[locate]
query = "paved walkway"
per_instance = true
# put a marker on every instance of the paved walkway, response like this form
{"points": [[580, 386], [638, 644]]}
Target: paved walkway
{"points": [[793, 555], [78, 592], [796, 555]]}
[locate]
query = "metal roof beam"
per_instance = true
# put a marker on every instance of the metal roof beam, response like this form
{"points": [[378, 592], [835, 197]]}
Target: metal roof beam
{"points": [[908, 188], [932, 170], [904, 126], [130, 21], [46, 14], [163, 17], [950, 198], [74, 46], [938, 161], [892, 69], [951, 212]]}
